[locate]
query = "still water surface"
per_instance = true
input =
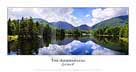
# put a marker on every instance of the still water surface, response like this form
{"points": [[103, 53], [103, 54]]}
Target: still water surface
{"points": [[69, 46]]}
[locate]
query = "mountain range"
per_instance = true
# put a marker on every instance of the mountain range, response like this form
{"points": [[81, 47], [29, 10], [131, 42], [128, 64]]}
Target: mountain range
{"points": [[61, 24], [116, 21], [83, 27]]}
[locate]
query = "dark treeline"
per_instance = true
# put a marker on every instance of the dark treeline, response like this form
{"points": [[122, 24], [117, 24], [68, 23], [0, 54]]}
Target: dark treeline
{"points": [[27, 28], [118, 31], [24, 27]]}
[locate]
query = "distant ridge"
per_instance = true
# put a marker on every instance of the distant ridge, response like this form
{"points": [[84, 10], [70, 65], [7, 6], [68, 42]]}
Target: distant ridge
{"points": [[116, 21]]}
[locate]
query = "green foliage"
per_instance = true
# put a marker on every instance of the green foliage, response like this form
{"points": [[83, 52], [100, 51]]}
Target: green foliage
{"points": [[12, 27], [47, 33], [77, 32], [124, 31], [113, 22], [27, 28], [120, 31]]}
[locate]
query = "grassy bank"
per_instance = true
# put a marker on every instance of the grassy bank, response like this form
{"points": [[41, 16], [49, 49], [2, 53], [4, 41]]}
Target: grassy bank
{"points": [[12, 37], [124, 39]]}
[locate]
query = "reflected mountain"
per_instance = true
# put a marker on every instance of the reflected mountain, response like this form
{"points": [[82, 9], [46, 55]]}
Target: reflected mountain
{"points": [[69, 46], [76, 48]]}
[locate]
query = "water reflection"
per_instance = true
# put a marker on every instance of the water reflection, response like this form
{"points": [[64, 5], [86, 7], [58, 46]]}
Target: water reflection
{"points": [[76, 48], [113, 43], [68, 46]]}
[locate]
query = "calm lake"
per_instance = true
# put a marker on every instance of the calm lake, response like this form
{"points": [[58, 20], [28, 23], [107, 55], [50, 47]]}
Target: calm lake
{"points": [[86, 45]]}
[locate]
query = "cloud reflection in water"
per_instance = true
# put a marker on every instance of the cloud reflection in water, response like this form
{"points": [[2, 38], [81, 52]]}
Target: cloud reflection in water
{"points": [[76, 48]]}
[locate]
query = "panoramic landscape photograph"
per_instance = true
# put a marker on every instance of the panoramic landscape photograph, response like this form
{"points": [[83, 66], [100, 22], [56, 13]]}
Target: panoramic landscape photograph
{"points": [[68, 30]]}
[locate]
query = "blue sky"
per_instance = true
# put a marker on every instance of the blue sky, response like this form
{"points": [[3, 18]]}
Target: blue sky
{"points": [[75, 16], [83, 13]]}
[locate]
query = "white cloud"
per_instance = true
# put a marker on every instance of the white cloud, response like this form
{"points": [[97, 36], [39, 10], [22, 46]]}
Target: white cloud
{"points": [[49, 14], [101, 14], [17, 13], [58, 14], [65, 14]]}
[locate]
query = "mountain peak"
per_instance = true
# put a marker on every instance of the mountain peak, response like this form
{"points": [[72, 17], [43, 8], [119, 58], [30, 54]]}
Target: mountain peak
{"points": [[84, 27], [63, 25], [40, 20]]}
